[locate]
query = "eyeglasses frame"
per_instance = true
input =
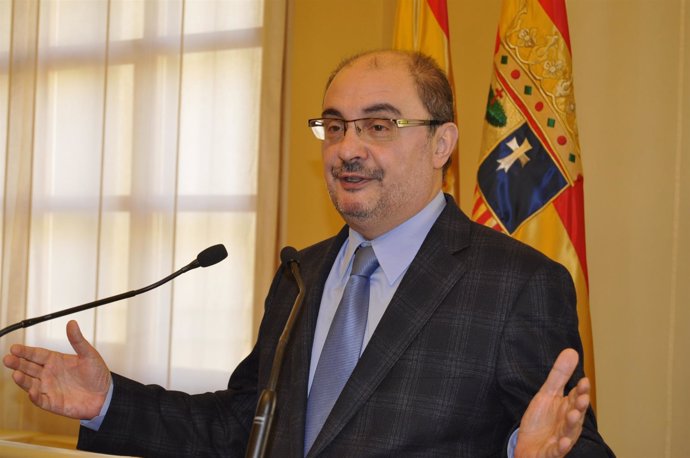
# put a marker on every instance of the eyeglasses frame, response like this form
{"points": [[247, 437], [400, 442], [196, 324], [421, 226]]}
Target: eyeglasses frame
{"points": [[399, 123]]}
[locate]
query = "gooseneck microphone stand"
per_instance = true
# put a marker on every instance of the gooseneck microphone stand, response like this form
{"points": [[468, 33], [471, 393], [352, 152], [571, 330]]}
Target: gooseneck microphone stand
{"points": [[208, 257], [263, 419]]}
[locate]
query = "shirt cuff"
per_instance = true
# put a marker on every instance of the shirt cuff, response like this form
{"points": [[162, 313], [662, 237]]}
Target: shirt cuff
{"points": [[512, 442], [95, 423]]}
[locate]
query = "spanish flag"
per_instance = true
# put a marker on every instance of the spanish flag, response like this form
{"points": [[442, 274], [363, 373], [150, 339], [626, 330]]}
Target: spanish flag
{"points": [[422, 25], [529, 181]]}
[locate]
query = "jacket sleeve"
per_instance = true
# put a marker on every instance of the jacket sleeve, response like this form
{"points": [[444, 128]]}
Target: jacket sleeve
{"points": [[147, 420], [542, 322]]}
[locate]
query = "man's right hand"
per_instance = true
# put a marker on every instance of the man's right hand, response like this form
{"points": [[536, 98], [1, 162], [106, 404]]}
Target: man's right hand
{"points": [[71, 385]]}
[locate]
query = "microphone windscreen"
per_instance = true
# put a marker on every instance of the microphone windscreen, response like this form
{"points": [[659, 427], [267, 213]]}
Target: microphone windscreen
{"points": [[212, 255], [288, 254]]}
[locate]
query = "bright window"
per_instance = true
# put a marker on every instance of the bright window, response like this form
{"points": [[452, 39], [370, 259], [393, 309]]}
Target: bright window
{"points": [[144, 151]]}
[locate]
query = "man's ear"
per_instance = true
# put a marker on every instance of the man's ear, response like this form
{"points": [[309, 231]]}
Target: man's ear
{"points": [[446, 137]]}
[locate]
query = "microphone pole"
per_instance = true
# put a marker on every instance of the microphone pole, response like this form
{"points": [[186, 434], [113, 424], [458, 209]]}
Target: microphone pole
{"points": [[263, 419], [211, 255]]}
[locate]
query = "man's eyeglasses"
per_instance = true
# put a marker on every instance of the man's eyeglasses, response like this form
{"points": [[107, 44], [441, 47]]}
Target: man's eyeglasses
{"points": [[369, 129]]}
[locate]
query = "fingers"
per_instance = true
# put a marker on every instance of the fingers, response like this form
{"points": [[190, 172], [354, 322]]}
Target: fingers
{"points": [[80, 345], [572, 429], [29, 368], [561, 372], [578, 400], [10, 361], [30, 385], [35, 389], [564, 445], [32, 360], [583, 386], [25, 373], [578, 397], [22, 380], [24, 367], [33, 354], [582, 399]]}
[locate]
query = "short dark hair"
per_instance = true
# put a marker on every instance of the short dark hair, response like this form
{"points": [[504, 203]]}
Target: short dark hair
{"points": [[432, 84]]}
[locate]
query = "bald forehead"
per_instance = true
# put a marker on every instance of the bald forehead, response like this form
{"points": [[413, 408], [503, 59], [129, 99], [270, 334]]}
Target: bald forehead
{"points": [[383, 59], [374, 84], [373, 60]]}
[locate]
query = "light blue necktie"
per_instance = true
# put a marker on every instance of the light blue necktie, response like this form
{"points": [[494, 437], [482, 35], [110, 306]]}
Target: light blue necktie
{"points": [[343, 345]]}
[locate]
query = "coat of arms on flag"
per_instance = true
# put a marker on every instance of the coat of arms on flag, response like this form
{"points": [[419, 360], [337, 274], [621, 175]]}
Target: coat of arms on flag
{"points": [[531, 147]]}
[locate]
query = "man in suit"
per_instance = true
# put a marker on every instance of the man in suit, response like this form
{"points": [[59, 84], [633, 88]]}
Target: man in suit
{"points": [[461, 328]]}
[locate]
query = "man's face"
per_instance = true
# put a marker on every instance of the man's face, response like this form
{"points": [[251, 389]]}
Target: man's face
{"points": [[378, 185]]}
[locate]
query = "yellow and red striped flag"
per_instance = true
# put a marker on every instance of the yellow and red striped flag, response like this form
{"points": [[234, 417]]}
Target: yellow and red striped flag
{"points": [[529, 181], [422, 25]]}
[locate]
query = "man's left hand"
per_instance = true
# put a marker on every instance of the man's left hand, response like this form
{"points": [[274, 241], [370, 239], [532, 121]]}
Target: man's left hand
{"points": [[552, 422]]}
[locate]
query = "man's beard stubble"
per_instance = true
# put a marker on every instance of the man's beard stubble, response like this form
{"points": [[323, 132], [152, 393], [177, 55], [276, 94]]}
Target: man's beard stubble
{"points": [[363, 211]]}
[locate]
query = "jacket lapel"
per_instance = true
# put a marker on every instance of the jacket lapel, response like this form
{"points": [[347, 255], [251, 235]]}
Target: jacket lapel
{"points": [[432, 274]]}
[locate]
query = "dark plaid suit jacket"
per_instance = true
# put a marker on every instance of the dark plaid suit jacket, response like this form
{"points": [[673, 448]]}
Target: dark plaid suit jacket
{"points": [[467, 340]]}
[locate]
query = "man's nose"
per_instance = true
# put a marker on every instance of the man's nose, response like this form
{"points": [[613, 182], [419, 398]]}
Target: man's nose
{"points": [[351, 145], [356, 130]]}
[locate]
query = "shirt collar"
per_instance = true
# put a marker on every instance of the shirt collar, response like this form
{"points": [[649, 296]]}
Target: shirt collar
{"points": [[396, 249]]}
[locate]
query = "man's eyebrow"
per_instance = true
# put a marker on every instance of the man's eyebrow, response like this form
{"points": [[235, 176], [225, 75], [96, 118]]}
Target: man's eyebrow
{"points": [[385, 107], [331, 113], [378, 108]]}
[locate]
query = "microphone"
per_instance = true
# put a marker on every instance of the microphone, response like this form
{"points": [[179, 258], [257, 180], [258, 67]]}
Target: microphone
{"points": [[211, 255], [263, 418]]}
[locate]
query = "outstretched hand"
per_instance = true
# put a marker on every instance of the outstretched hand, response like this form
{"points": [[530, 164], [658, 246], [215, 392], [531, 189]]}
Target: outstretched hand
{"points": [[552, 422], [71, 385]]}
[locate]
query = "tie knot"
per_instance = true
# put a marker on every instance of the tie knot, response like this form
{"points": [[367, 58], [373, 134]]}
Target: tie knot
{"points": [[365, 262]]}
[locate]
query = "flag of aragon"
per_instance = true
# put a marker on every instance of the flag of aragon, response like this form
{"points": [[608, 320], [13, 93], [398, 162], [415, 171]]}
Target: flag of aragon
{"points": [[529, 180]]}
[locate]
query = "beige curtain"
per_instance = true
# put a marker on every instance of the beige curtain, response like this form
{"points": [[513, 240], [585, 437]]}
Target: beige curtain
{"points": [[133, 134]]}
